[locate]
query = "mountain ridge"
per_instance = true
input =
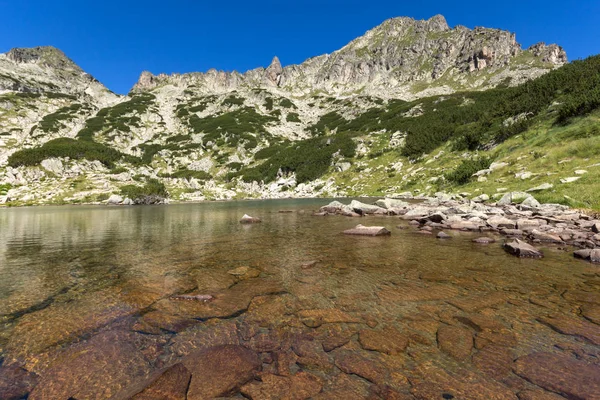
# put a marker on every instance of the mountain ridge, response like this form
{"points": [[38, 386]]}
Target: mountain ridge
{"points": [[395, 109]]}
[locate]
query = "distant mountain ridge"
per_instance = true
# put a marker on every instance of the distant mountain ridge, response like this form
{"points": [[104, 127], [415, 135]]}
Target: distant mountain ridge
{"points": [[394, 60]]}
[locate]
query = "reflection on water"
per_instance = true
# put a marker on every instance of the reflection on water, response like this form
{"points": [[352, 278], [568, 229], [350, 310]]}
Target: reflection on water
{"points": [[85, 298]]}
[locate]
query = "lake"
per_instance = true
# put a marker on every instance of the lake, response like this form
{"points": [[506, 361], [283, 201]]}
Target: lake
{"points": [[298, 310]]}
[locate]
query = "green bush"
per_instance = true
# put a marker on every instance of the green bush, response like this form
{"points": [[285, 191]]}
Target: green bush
{"points": [[65, 147], [464, 172], [188, 174], [152, 188], [293, 117], [309, 159]]}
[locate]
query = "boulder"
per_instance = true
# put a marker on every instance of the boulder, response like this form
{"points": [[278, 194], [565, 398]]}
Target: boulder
{"points": [[443, 235], [114, 199], [596, 227], [521, 249], [592, 255], [246, 219], [545, 236], [481, 198], [128, 202], [531, 202], [362, 208], [498, 222], [570, 179], [513, 198], [368, 231], [543, 186], [389, 204], [333, 207]]}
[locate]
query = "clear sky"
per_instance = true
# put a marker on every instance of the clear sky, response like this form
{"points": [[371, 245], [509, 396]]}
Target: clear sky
{"points": [[116, 40]]}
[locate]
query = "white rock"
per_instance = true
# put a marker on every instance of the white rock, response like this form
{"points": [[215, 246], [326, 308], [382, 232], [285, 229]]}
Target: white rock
{"points": [[114, 199], [531, 202], [391, 203], [543, 186], [481, 198], [570, 179], [498, 165], [53, 165], [581, 172]]}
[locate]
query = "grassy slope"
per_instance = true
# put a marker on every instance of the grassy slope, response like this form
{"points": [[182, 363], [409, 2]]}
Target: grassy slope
{"points": [[548, 151]]}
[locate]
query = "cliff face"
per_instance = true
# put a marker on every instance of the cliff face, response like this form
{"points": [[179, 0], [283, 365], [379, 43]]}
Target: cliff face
{"points": [[400, 58]]}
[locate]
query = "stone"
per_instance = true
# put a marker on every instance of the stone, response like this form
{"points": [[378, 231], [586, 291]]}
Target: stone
{"points": [[484, 240], [389, 340], [172, 384], [494, 361], [521, 249], [513, 198], [303, 385], [481, 198], [570, 179], [15, 382], [531, 202], [542, 187], [545, 236], [362, 208], [526, 224], [246, 219], [455, 341], [53, 165], [220, 371], [114, 199], [362, 230], [596, 227], [443, 235], [592, 255], [559, 373], [568, 325], [351, 362], [389, 204], [499, 222], [114, 356]]}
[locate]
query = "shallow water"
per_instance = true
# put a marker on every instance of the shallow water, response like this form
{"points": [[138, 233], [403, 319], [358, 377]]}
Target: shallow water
{"points": [[86, 311]]}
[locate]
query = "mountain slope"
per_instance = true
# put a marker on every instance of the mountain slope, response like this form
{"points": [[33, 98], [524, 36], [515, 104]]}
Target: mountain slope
{"points": [[408, 106]]}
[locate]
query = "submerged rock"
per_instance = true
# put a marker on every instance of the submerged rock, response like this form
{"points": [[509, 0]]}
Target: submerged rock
{"points": [[172, 384], [246, 219], [521, 249], [220, 371], [484, 240], [362, 230], [572, 378]]}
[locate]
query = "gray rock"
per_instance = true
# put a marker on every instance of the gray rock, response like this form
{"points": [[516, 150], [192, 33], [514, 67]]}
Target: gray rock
{"points": [[543, 186], [362, 230], [443, 235], [389, 204], [521, 249], [498, 222], [513, 198], [531, 202], [363, 208], [481, 198], [592, 255], [114, 199], [570, 179]]}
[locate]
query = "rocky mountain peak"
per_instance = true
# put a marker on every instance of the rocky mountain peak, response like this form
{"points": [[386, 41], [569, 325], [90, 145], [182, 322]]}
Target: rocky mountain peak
{"points": [[274, 71], [47, 56]]}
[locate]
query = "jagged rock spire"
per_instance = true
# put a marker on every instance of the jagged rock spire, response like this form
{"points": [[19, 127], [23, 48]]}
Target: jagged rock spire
{"points": [[274, 71]]}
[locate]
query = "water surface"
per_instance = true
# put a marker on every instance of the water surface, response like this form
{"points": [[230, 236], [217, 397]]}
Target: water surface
{"points": [[86, 307]]}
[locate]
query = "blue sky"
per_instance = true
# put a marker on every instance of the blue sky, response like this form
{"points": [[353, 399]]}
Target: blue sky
{"points": [[116, 40]]}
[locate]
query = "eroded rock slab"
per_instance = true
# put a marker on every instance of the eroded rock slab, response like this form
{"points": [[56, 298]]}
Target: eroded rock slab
{"points": [[388, 340], [521, 249], [220, 371], [568, 325], [455, 341], [99, 368], [561, 374], [170, 385], [303, 385]]}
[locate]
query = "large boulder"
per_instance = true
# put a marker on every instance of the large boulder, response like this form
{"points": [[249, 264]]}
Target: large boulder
{"points": [[114, 199], [363, 208], [389, 204], [333, 207], [513, 198]]}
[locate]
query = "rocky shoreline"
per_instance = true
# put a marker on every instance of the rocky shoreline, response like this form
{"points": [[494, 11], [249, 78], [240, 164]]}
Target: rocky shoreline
{"points": [[517, 216]]}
